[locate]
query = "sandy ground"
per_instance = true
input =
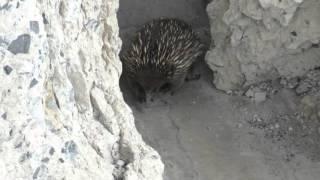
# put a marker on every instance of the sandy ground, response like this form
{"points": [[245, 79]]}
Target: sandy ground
{"points": [[204, 134]]}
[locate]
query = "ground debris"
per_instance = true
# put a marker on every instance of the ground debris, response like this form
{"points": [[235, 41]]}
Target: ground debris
{"points": [[307, 84], [294, 131], [260, 92]]}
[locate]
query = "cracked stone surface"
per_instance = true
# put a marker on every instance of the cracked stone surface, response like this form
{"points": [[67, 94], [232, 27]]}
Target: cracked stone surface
{"points": [[61, 110], [257, 40]]}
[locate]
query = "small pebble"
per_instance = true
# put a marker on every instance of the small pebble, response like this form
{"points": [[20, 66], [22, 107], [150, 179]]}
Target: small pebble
{"points": [[293, 83], [283, 82], [34, 26], [4, 116], [33, 83], [239, 125], [120, 163], [303, 87], [51, 151], [7, 69], [256, 118], [249, 93], [260, 96], [45, 160], [20, 45]]}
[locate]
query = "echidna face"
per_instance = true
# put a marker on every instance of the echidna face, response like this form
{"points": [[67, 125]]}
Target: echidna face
{"points": [[147, 86]]}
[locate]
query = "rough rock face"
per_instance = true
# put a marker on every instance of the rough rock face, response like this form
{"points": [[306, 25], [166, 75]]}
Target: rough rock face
{"points": [[257, 40], [62, 115]]}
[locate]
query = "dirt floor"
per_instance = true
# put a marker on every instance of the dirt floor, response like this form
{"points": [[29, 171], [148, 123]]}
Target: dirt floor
{"points": [[269, 131], [204, 134]]}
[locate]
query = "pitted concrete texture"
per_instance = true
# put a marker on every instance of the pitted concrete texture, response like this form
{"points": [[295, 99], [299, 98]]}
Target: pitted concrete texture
{"points": [[62, 115]]}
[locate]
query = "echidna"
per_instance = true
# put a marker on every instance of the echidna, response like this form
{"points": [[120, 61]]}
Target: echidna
{"points": [[160, 56]]}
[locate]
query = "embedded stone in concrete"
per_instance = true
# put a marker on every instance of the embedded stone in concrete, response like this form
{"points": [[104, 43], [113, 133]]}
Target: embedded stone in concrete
{"points": [[7, 69], [34, 26], [20, 45], [33, 83]]}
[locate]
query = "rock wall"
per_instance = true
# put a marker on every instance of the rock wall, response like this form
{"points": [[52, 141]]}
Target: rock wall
{"points": [[256, 40], [62, 115]]}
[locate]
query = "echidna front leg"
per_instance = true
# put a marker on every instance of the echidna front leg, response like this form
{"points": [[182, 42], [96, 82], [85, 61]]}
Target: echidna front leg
{"points": [[178, 83], [137, 90], [192, 75]]}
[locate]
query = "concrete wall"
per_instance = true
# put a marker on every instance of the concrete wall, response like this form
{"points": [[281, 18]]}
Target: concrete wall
{"points": [[62, 115]]}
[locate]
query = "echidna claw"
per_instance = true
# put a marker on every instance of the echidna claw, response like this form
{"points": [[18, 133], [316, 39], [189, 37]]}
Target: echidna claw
{"points": [[193, 77]]}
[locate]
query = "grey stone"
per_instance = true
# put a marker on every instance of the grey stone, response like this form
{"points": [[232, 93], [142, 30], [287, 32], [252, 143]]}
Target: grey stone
{"points": [[4, 116], [249, 93], [45, 21], [51, 151], [20, 45], [6, 6], [33, 83], [7, 69], [34, 26], [303, 87], [260, 96], [71, 148]]}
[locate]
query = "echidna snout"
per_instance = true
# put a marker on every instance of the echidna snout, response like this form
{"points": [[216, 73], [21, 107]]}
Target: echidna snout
{"points": [[147, 86], [160, 56]]}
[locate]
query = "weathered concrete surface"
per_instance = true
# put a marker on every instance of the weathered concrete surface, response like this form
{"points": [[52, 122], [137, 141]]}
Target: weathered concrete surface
{"points": [[61, 110], [256, 40]]}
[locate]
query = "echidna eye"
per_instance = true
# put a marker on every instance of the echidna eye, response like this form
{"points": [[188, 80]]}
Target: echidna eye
{"points": [[140, 92], [165, 87], [139, 87]]}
